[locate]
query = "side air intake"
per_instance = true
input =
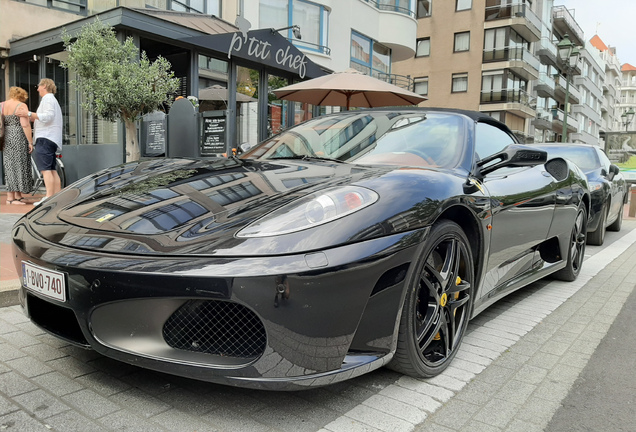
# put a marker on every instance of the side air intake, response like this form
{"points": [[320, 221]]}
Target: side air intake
{"points": [[558, 168]]}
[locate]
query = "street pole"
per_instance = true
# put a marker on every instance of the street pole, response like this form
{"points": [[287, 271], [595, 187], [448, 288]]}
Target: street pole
{"points": [[568, 53], [564, 135]]}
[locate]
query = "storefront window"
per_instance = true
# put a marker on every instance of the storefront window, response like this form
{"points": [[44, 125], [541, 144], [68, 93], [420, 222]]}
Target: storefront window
{"points": [[277, 108], [27, 77], [302, 111], [79, 127], [213, 75], [247, 120], [65, 97]]}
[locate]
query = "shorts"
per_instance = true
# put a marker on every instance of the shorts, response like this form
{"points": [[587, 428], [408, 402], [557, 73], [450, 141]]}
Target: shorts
{"points": [[44, 154]]}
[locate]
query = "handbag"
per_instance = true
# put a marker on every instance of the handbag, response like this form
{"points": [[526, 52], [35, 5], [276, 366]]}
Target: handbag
{"points": [[2, 126]]}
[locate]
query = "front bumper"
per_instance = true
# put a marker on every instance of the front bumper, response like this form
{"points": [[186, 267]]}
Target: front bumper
{"points": [[300, 320]]}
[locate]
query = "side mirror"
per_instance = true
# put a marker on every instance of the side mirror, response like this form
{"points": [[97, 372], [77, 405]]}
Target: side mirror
{"points": [[614, 169], [515, 155]]}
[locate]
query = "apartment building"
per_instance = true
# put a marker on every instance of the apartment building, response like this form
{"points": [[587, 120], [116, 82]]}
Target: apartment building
{"points": [[325, 35], [627, 97], [611, 86], [501, 57], [589, 83]]}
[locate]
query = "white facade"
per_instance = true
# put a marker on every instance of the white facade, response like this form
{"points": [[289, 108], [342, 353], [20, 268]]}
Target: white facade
{"points": [[628, 97], [589, 84], [335, 20]]}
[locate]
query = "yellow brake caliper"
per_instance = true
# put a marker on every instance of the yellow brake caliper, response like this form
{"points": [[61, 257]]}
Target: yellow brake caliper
{"points": [[444, 299]]}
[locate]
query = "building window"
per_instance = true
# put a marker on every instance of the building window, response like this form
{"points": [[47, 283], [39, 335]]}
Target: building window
{"points": [[312, 18], [424, 8], [421, 86], [423, 47], [368, 56], [460, 82], [463, 4], [462, 42], [207, 7], [75, 6]]}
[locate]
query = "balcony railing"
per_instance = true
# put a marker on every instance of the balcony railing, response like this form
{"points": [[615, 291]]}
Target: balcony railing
{"points": [[561, 12], [547, 44], [404, 81], [546, 80], [562, 83], [399, 6], [310, 46], [515, 10], [511, 53], [506, 96]]}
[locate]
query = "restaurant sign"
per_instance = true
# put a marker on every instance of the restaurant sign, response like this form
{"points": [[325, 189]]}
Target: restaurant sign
{"points": [[263, 46]]}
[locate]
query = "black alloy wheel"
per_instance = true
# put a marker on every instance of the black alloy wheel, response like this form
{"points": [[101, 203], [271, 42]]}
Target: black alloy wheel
{"points": [[576, 249], [597, 237], [437, 305], [616, 225]]}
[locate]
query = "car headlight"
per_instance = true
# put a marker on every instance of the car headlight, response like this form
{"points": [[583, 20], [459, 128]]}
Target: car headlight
{"points": [[594, 186], [310, 211]]}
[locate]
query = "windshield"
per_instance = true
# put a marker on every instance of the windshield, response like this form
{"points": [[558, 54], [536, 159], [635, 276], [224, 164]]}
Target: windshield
{"points": [[584, 157], [393, 138]]}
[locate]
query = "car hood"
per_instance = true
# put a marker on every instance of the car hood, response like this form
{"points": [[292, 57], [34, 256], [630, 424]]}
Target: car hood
{"points": [[194, 207]]}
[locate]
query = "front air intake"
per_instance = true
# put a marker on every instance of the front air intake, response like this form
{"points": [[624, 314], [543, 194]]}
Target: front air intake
{"points": [[216, 327]]}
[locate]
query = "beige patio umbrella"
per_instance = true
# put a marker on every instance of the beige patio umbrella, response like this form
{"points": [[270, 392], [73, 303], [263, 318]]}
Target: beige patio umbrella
{"points": [[349, 88]]}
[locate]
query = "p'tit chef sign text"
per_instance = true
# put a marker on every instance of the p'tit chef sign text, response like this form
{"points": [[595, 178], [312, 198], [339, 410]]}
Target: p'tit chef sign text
{"points": [[259, 49]]}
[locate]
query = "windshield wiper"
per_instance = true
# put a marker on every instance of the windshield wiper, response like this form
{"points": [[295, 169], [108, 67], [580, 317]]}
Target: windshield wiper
{"points": [[309, 158]]}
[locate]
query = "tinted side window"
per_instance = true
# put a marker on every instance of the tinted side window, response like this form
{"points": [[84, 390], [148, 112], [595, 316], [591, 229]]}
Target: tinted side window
{"points": [[605, 162], [490, 139]]}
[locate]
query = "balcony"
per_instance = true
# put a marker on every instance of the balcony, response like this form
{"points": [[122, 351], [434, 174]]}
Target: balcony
{"points": [[547, 52], [516, 58], [523, 137], [512, 100], [557, 121], [545, 85], [605, 106], [518, 16], [399, 6], [543, 120], [564, 22], [560, 90]]}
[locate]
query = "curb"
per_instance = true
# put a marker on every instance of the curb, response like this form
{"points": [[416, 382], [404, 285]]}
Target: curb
{"points": [[9, 292]]}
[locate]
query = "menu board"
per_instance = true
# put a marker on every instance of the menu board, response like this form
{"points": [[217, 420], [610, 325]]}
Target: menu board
{"points": [[213, 139], [153, 134]]}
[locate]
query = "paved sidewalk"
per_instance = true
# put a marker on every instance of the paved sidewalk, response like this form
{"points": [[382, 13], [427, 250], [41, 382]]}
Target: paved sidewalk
{"points": [[523, 388], [9, 214]]}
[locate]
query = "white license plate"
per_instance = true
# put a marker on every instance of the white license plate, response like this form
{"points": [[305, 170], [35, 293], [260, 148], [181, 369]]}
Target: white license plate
{"points": [[47, 282]]}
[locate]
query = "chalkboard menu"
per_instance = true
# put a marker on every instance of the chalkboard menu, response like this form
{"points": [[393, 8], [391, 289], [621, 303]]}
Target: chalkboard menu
{"points": [[153, 134], [213, 137]]}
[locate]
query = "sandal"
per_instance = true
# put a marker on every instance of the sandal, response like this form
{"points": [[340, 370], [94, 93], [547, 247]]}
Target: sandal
{"points": [[18, 201]]}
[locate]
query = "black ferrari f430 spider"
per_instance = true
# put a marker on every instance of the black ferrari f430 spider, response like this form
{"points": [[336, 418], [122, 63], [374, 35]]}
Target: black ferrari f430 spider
{"points": [[343, 244]]}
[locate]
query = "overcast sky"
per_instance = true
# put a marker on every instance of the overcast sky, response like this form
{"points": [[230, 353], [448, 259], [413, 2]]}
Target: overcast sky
{"points": [[613, 20]]}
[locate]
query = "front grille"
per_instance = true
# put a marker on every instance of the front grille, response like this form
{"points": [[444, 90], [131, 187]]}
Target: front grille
{"points": [[216, 327]]}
